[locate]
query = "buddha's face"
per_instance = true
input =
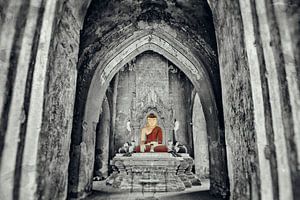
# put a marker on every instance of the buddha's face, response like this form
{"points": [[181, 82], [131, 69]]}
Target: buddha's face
{"points": [[152, 121]]}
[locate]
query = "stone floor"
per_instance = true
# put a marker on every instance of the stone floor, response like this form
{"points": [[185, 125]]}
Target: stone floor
{"points": [[101, 192]]}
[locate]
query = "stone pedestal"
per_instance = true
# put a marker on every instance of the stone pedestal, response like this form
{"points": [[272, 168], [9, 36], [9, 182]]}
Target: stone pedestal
{"points": [[149, 172]]}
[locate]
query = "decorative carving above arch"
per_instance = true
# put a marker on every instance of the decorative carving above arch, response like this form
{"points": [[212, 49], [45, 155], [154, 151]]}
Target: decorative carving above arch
{"points": [[159, 44]]}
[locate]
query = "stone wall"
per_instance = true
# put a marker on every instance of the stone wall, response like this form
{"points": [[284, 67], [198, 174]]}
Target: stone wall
{"points": [[16, 40], [260, 91], [237, 101], [41, 41], [58, 108]]}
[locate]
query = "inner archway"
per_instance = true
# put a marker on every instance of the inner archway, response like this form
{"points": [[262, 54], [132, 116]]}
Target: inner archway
{"points": [[164, 44], [151, 83]]}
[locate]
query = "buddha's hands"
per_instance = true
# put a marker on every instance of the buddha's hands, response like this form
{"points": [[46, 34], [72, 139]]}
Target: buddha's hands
{"points": [[153, 143]]}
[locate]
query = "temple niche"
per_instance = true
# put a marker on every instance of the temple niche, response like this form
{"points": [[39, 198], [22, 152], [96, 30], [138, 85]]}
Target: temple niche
{"points": [[150, 83]]}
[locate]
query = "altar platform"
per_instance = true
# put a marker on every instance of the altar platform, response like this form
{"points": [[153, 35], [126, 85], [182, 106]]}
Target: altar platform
{"points": [[101, 191], [152, 172]]}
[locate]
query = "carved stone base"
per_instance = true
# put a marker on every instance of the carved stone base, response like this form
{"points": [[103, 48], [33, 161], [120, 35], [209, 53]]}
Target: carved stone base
{"points": [[149, 172]]}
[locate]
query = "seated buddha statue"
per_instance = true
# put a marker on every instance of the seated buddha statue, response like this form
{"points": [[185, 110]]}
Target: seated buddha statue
{"points": [[151, 137]]}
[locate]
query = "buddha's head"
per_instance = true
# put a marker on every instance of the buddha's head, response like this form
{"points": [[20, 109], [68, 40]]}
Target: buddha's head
{"points": [[151, 120]]}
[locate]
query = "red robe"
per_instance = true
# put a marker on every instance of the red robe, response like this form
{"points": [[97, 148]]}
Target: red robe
{"points": [[154, 136]]}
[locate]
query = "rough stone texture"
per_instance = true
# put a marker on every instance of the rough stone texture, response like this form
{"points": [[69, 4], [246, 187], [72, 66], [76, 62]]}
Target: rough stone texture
{"points": [[58, 109], [16, 44], [284, 93], [272, 32], [193, 28], [29, 88], [152, 78], [26, 32], [280, 108], [261, 104], [237, 100]]}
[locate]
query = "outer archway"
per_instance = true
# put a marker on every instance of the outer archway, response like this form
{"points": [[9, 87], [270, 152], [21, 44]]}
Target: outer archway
{"points": [[49, 31]]}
